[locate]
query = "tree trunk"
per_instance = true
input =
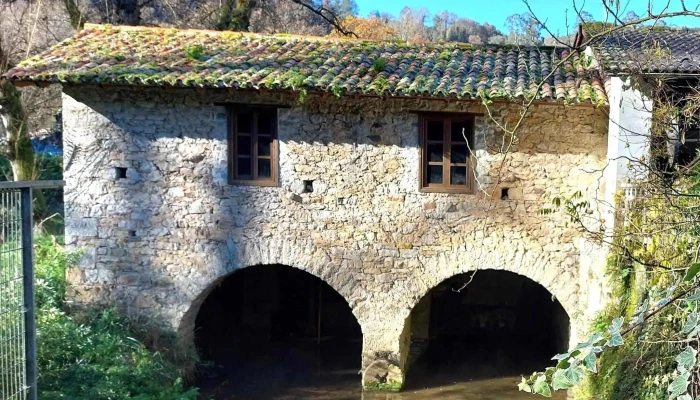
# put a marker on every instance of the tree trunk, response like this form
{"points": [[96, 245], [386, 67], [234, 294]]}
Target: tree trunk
{"points": [[18, 146], [76, 17], [234, 15]]}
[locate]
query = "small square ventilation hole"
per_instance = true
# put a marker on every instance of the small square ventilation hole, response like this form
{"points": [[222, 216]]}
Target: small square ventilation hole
{"points": [[308, 186], [120, 173], [504, 193]]}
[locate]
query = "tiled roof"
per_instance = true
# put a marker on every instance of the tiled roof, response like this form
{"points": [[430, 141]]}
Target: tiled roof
{"points": [[170, 57], [650, 50]]}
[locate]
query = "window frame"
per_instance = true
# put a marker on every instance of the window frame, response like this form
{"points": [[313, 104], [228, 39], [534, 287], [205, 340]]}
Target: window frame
{"points": [[232, 113], [687, 125], [447, 119]]}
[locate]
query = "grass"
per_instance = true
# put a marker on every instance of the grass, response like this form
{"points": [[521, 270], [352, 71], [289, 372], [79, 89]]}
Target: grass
{"points": [[99, 354]]}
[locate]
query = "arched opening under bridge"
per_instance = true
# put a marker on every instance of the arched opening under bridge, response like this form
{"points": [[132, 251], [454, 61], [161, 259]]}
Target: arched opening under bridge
{"points": [[486, 325], [267, 331]]}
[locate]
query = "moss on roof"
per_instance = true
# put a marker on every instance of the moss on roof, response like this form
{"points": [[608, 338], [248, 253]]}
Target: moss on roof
{"points": [[104, 54]]}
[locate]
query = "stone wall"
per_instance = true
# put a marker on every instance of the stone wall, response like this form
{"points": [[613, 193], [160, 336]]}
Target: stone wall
{"points": [[158, 241]]}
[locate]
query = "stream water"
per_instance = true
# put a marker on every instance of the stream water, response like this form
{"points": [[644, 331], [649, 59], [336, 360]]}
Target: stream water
{"points": [[487, 389], [503, 388], [303, 372]]}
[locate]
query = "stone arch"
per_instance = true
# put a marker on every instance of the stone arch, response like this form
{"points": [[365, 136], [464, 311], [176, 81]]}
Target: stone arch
{"points": [[569, 314], [267, 312], [562, 281], [187, 320], [386, 313], [315, 262], [570, 311], [489, 317]]}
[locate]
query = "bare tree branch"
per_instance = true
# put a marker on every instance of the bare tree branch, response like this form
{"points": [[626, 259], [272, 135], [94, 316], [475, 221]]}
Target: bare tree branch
{"points": [[328, 15]]}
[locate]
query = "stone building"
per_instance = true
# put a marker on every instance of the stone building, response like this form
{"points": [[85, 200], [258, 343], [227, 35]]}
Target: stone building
{"points": [[383, 169]]}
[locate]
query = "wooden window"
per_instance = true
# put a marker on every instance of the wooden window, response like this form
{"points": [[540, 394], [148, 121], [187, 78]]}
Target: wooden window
{"points": [[687, 146], [253, 146], [446, 162]]}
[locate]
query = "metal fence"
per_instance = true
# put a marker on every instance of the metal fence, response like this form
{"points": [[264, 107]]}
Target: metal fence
{"points": [[18, 373]]}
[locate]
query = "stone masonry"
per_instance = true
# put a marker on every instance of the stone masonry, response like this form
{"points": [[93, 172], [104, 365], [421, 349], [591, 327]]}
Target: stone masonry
{"points": [[157, 241]]}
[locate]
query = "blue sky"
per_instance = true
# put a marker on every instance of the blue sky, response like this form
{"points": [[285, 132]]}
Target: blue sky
{"points": [[496, 11]]}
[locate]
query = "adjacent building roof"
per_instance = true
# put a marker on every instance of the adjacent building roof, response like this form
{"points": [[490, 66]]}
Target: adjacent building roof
{"points": [[102, 54], [650, 50]]}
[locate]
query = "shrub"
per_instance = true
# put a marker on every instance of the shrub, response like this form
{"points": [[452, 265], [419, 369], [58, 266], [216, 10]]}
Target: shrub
{"points": [[95, 356], [48, 167]]}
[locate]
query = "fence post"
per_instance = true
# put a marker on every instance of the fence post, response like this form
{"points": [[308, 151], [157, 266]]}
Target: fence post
{"points": [[28, 281]]}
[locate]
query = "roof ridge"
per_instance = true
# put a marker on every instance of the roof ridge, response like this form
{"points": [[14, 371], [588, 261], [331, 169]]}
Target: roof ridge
{"points": [[92, 26], [322, 39], [661, 28]]}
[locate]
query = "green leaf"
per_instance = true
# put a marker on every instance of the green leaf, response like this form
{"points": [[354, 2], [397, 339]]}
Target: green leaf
{"points": [[694, 332], [524, 386], [693, 297], [679, 385], [663, 302], [549, 372], [669, 293], [541, 387], [616, 325], [615, 340], [685, 397], [560, 381], [589, 362], [575, 374], [691, 322], [564, 364], [595, 338], [638, 316], [691, 272], [687, 359]]}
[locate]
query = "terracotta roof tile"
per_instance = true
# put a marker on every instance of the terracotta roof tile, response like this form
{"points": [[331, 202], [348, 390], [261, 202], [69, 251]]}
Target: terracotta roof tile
{"points": [[650, 50], [170, 57]]}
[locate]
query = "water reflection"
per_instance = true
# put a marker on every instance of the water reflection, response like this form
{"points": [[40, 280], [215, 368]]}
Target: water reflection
{"points": [[303, 372], [488, 389]]}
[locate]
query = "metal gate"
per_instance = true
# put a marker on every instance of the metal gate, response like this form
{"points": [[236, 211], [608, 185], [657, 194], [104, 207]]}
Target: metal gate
{"points": [[18, 374]]}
